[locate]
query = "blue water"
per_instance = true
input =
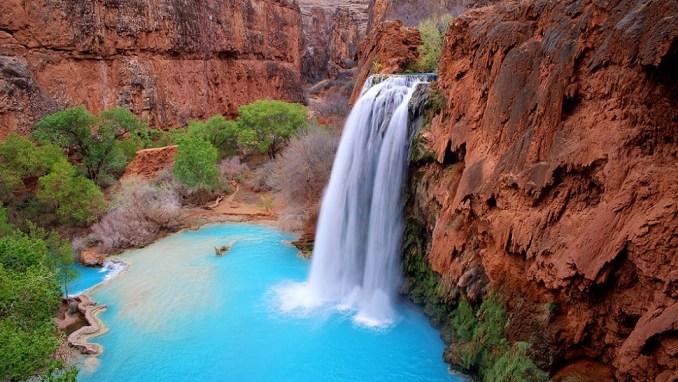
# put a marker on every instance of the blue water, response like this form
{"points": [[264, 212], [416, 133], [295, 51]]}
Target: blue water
{"points": [[180, 313], [89, 277]]}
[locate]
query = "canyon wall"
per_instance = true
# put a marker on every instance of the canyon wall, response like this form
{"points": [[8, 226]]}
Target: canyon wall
{"points": [[332, 32], [411, 12], [548, 175], [167, 60]]}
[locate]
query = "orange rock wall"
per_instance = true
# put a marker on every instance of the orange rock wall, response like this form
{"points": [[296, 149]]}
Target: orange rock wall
{"points": [[389, 48], [166, 60], [554, 177], [333, 31]]}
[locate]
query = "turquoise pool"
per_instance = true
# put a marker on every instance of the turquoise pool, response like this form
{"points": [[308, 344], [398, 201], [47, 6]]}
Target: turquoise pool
{"points": [[180, 313]]}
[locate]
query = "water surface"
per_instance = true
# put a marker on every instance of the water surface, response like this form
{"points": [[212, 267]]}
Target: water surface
{"points": [[89, 277], [180, 313]]}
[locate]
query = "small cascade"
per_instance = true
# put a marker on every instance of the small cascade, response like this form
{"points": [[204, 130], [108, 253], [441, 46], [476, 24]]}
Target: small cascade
{"points": [[356, 260]]}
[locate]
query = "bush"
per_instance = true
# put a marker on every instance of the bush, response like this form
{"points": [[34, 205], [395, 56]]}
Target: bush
{"points": [[231, 169], [484, 348], [21, 160], [261, 179], [303, 170], [432, 34], [76, 199], [96, 142], [29, 296], [266, 126], [219, 132], [195, 165], [141, 210]]}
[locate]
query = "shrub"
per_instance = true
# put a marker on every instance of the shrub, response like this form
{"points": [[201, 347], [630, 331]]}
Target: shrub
{"points": [[292, 218], [195, 165], [219, 132], [432, 34], [76, 199], [261, 179], [141, 210], [21, 159], [267, 126], [484, 348], [96, 142], [515, 365], [303, 169], [29, 296], [231, 169]]}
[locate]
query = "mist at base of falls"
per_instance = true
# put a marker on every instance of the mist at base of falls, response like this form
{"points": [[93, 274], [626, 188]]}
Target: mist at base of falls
{"points": [[180, 313]]}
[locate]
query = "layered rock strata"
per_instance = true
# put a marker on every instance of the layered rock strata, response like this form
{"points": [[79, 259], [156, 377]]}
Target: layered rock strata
{"points": [[166, 60]]}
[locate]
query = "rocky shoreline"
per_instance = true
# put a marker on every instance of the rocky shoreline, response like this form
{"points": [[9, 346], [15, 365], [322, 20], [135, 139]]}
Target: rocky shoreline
{"points": [[94, 327]]}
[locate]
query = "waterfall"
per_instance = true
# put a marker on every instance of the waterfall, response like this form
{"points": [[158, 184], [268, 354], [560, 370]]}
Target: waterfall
{"points": [[356, 260]]}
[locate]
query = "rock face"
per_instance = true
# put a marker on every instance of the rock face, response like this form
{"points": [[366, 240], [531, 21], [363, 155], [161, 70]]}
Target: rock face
{"points": [[167, 60], [148, 163], [552, 177], [332, 33], [389, 48], [411, 12]]}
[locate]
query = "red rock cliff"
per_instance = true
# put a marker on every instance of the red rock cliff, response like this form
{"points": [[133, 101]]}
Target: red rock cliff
{"points": [[553, 177], [167, 60], [332, 33]]}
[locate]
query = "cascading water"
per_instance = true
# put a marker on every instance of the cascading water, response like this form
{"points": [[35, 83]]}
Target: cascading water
{"points": [[356, 260]]}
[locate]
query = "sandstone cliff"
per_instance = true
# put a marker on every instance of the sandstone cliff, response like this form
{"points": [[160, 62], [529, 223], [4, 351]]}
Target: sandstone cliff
{"points": [[389, 48], [411, 12], [332, 32], [167, 60], [551, 178]]}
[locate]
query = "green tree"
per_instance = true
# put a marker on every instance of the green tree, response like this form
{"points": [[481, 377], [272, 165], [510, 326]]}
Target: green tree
{"points": [[268, 125], [95, 141], [76, 199], [59, 254], [29, 296], [5, 226], [195, 165], [21, 160], [432, 33], [219, 132]]}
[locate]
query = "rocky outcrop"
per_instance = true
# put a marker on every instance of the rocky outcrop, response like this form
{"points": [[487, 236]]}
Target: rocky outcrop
{"points": [[148, 163], [549, 175], [389, 48], [166, 60], [92, 257], [332, 33], [79, 338]]}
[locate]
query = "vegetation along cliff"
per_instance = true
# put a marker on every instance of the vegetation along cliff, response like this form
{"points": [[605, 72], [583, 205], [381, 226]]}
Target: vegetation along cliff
{"points": [[545, 179]]}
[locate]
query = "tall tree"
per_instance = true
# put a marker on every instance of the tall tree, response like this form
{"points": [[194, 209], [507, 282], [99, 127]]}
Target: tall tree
{"points": [[195, 165], [268, 125], [95, 141]]}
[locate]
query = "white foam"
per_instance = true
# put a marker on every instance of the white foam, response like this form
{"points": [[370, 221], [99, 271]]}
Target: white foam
{"points": [[113, 268], [296, 298]]}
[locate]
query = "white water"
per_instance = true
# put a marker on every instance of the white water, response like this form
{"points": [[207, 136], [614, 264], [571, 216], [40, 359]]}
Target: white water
{"points": [[356, 260]]}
